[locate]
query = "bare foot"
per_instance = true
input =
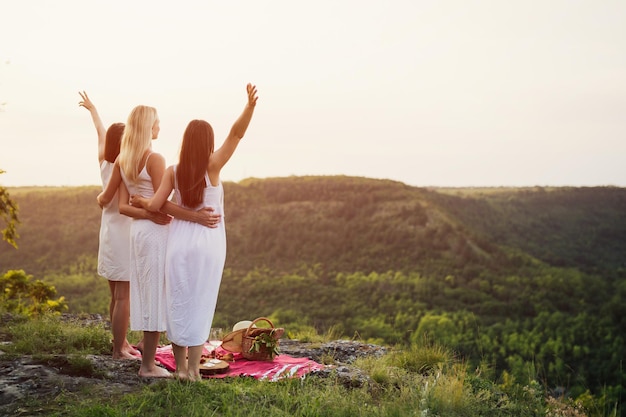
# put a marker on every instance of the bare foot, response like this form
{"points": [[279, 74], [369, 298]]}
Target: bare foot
{"points": [[154, 372], [128, 348], [195, 377], [126, 355], [182, 376]]}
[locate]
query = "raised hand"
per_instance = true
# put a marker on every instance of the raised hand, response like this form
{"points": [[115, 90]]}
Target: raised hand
{"points": [[252, 97], [85, 102]]}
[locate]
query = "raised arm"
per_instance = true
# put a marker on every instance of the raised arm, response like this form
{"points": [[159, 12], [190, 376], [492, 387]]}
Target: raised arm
{"points": [[97, 122], [220, 157]]}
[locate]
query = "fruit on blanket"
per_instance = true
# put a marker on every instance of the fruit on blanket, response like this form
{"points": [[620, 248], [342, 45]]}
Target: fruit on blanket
{"points": [[228, 357]]}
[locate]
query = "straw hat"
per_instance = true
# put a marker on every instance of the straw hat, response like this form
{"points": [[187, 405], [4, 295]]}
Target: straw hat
{"points": [[243, 324], [233, 340]]}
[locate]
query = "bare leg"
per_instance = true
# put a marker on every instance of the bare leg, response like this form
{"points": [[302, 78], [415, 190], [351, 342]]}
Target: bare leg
{"points": [[120, 316], [195, 354], [148, 366], [140, 345], [180, 354], [112, 302]]}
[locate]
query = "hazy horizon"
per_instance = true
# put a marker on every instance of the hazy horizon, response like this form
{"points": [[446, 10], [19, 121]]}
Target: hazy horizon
{"points": [[454, 93], [449, 187]]}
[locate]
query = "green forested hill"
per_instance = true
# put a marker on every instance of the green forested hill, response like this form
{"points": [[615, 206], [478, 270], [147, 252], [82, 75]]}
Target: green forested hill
{"points": [[345, 224], [58, 228], [350, 224], [583, 228], [530, 281]]}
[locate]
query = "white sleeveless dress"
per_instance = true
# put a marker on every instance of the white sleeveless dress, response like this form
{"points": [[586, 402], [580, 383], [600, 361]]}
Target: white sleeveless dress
{"points": [[114, 242], [194, 265], [148, 241]]}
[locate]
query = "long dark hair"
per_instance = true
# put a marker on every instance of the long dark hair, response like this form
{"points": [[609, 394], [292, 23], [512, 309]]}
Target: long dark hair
{"points": [[113, 141], [198, 143]]}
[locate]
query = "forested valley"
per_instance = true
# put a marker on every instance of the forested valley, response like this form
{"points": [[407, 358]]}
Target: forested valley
{"points": [[527, 282]]}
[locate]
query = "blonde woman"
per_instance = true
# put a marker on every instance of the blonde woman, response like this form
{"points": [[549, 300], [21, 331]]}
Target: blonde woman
{"points": [[141, 171], [114, 237]]}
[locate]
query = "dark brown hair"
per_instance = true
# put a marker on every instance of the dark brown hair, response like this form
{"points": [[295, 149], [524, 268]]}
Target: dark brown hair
{"points": [[198, 144], [113, 141]]}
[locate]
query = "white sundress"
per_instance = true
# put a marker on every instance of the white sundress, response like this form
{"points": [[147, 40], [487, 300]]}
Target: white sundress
{"points": [[114, 240], [194, 262], [148, 241]]}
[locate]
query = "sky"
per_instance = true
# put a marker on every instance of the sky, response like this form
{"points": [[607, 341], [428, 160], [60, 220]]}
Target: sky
{"points": [[449, 93]]}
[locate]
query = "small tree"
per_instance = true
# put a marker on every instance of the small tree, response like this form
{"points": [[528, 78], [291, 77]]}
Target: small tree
{"points": [[20, 294], [8, 214]]}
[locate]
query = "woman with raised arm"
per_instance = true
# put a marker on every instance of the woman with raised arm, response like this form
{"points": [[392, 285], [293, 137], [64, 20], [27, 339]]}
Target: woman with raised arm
{"points": [[195, 255], [114, 238]]}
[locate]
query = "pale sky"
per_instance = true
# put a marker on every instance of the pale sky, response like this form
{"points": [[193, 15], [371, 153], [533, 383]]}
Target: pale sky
{"points": [[429, 93]]}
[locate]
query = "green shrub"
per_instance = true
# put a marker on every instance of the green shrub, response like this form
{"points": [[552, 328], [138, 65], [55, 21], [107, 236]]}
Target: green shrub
{"points": [[424, 359], [20, 294]]}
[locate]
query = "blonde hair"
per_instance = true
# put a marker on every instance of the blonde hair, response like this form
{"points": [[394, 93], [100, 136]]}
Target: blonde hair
{"points": [[136, 140]]}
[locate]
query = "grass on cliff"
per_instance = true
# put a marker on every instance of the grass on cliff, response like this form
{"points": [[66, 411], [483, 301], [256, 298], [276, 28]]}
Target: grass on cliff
{"points": [[424, 380]]}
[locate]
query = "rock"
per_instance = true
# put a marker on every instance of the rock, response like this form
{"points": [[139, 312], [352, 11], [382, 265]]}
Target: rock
{"points": [[45, 376], [341, 351]]}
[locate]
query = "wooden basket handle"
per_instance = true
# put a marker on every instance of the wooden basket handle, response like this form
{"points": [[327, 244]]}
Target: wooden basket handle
{"points": [[254, 321]]}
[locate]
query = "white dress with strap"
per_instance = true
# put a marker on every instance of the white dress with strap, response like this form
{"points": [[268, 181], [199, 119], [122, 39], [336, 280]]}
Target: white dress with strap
{"points": [[194, 265], [148, 241], [114, 240]]}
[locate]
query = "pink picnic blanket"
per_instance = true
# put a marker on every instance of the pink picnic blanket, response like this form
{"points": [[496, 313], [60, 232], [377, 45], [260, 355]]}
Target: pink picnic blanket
{"points": [[283, 366]]}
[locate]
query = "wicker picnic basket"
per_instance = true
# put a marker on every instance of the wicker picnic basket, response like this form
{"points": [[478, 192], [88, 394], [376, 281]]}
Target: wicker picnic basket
{"points": [[248, 338]]}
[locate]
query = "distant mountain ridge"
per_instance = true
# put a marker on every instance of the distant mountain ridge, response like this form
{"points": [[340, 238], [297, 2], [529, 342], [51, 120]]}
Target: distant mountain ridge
{"points": [[355, 224]]}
